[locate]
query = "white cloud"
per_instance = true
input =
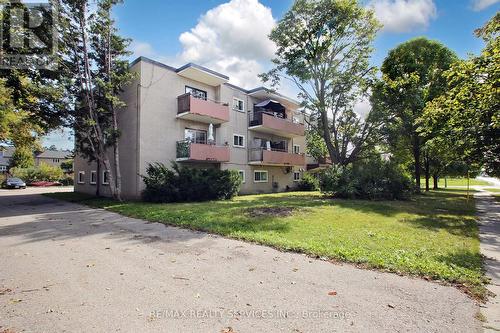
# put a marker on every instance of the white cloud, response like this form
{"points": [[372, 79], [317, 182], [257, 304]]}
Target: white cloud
{"points": [[232, 38], [478, 5], [404, 15]]}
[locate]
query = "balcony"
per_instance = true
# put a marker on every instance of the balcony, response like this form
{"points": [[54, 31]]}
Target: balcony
{"points": [[201, 110], [262, 156], [187, 151], [268, 122]]}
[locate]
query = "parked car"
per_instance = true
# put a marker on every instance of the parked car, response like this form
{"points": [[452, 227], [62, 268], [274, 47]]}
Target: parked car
{"points": [[13, 183]]}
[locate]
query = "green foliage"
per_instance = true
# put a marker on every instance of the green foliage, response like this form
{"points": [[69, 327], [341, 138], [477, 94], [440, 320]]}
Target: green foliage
{"points": [[467, 116], [44, 172], [412, 77], [22, 158], [181, 184], [67, 180], [316, 146], [324, 46], [367, 179], [308, 183], [67, 166]]}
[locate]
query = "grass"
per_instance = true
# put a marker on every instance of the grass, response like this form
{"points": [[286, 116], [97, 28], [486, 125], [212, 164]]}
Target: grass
{"points": [[455, 182], [435, 235]]}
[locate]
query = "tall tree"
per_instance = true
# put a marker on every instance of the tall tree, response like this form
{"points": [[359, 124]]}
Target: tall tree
{"points": [[97, 59], [412, 77], [37, 94], [467, 116], [324, 47]]}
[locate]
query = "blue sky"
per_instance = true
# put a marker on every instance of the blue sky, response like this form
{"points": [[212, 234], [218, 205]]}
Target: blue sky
{"points": [[230, 35]]}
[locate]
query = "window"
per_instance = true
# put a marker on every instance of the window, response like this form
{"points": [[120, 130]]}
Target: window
{"points": [[238, 105], [3, 168], [55, 160], [242, 175], [296, 176], [93, 177], [238, 140], [195, 136], [260, 176], [81, 177], [201, 94], [296, 149], [105, 177]]}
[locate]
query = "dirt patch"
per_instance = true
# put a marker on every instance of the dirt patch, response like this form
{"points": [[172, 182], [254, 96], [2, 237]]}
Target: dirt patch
{"points": [[270, 211]]}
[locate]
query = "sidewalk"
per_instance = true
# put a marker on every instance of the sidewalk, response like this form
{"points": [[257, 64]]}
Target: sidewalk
{"points": [[489, 233]]}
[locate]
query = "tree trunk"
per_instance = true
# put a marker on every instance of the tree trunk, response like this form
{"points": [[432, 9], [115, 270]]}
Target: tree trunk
{"points": [[416, 158], [98, 181], [116, 160], [427, 170], [435, 180]]}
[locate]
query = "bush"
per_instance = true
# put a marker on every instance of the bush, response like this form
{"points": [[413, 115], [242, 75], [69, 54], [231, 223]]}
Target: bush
{"points": [[67, 180], [181, 184], [44, 172], [372, 179], [308, 183]]}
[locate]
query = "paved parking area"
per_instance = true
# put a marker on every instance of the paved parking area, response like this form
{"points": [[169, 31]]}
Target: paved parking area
{"points": [[69, 268]]}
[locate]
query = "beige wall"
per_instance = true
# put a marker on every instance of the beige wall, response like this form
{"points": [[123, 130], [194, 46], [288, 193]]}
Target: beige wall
{"points": [[50, 161], [150, 129]]}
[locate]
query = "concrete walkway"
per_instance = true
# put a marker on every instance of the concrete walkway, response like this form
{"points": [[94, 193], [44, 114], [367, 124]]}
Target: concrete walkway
{"points": [[489, 233], [68, 268]]}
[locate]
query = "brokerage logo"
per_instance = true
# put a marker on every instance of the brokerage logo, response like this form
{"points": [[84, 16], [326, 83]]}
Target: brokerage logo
{"points": [[28, 36]]}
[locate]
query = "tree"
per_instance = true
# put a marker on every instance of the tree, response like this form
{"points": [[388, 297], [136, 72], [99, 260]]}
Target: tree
{"points": [[316, 146], [467, 116], [37, 94], [22, 158], [97, 60], [324, 48], [412, 77]]}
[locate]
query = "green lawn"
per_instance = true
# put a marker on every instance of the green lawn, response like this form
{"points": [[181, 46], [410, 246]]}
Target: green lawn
{"points": [[435, 235], [455, 182]]}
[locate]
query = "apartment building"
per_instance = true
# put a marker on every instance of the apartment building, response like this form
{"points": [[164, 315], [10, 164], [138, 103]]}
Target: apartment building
{"points": [[192, 115]]}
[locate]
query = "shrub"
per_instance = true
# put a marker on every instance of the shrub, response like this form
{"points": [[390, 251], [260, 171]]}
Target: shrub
{"points": [[67, 180], [308, 183], [371, 179], [180, 184], [44, 172]]}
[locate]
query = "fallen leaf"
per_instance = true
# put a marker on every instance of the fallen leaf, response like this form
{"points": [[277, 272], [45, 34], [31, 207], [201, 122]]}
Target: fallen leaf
{"points": [[90, 265], [4, 291], [15, 300], [228, 330], [332, 293], [391, 306], [295, 269], [197, 296]]}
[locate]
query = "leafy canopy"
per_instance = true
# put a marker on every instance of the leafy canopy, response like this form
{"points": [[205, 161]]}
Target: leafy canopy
{"points": [[324, 47]]}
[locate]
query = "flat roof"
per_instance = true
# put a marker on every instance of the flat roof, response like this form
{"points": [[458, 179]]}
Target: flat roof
{"points": [[193, 71]]}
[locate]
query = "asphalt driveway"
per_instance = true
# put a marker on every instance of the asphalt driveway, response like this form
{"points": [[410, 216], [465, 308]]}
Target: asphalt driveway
{"points": [[69, 268]]}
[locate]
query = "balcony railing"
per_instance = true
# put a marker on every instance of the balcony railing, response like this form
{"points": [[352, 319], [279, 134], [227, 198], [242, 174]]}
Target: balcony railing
{"points": [[269, 122], [279, 157], [202, 110], [189, 151]]}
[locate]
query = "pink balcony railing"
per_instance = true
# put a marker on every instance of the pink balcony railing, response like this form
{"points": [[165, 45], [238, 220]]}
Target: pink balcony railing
{"points": [[275, 157], [202, 110], [188, 151]]}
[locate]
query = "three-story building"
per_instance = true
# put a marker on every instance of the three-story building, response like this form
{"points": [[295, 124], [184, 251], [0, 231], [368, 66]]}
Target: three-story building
{"points": [[193, 116]]}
